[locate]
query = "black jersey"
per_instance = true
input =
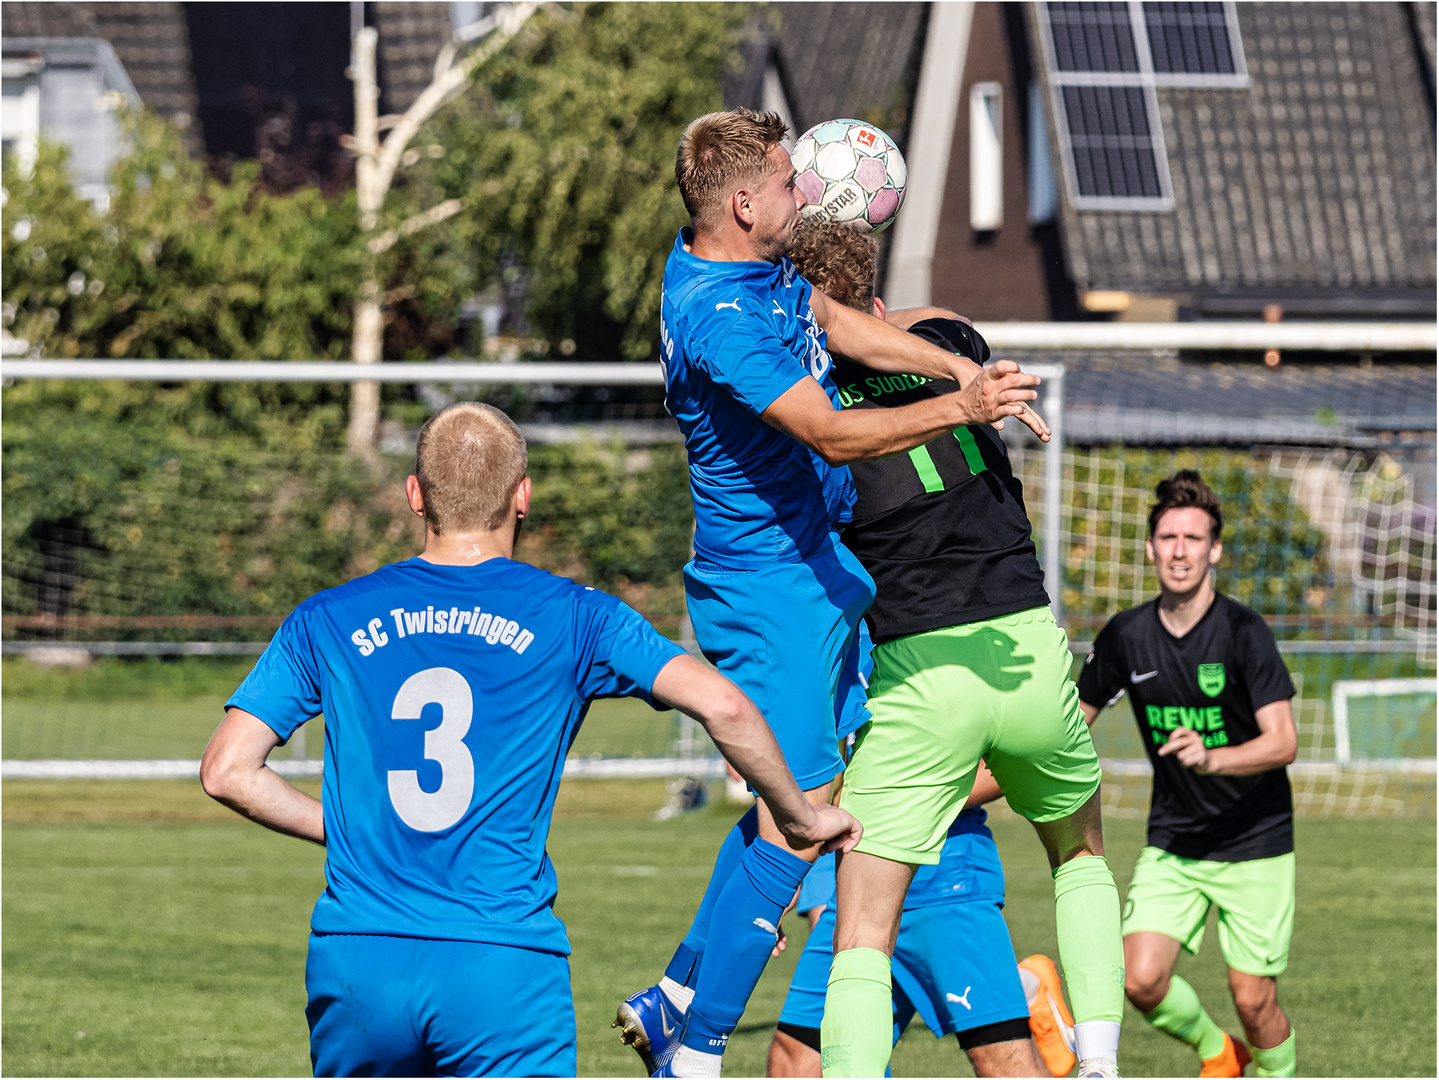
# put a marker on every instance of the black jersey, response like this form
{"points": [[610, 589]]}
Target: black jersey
{"points": [[942, 529], [1213, 680]]}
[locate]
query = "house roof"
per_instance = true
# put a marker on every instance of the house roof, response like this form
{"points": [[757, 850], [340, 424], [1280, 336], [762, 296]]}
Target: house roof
{"points": [[411, 37], [838, 59], [151, 40], [1318, 178]]}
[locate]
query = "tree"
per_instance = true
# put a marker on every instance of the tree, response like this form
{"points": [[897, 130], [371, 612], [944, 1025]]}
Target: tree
{"points": [[375, 170], [564, 162]]}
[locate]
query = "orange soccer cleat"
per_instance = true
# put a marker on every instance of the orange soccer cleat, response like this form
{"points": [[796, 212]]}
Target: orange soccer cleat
{"points": [[1228, 1062], [1050, 1021]]}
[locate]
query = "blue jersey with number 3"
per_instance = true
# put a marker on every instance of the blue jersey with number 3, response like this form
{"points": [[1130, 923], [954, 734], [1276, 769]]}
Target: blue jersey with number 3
{"points": [[451, 695]]}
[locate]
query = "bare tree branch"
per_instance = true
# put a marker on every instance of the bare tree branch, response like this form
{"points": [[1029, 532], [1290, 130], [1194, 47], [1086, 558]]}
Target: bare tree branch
{"points": [[433, 216]]}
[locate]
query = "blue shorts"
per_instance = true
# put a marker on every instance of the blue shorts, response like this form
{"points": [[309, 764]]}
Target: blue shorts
{"points": [[953, 965], [397, 1006], [789, 636]]}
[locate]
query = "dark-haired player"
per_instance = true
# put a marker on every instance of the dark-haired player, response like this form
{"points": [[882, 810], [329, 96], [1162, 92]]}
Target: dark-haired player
{"points": [[775, 599], [968, 664], [1211, 697]]}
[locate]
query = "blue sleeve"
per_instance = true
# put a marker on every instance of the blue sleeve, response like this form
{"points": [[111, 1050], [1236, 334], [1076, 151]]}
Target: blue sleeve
{"points": [[752, 363], [625, 652], [283, 688]]}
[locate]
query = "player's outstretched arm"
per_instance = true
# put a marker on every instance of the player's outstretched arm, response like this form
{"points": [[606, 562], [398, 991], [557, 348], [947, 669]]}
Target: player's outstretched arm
{"points": [[748, 744], [877, 344], [804, 412], [234, 772], [1274, 747]]}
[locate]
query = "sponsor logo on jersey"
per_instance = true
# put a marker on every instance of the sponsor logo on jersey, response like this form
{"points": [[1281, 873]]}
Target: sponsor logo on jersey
{"points": [[1211, 679], [1208, 721], [733, 303], [1135, 676]]}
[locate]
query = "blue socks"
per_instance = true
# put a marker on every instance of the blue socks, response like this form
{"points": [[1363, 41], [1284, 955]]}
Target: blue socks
{"points": [[684, 968], [743, 922]]}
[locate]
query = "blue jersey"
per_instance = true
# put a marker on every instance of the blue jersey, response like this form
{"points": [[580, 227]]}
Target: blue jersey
{"points": [[451, 695], [968, 869], [734, 337]]}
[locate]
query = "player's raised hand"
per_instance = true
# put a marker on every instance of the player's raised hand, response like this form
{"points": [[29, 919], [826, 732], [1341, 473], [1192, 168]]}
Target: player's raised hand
{"points": [[836, 829], [1002, 390], [1188, 746]]}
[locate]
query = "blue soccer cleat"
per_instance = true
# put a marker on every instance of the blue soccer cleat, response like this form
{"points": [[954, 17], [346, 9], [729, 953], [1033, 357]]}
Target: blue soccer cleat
{"points": [[650, 1023]]}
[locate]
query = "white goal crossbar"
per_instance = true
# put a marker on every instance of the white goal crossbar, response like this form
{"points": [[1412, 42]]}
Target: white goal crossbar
{"points": [[1343, 690]]}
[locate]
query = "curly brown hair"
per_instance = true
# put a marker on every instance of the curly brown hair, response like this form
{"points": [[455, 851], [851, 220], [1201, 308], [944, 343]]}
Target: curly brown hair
{"points": [[1184, 489], [840, 259], [720, 152]]}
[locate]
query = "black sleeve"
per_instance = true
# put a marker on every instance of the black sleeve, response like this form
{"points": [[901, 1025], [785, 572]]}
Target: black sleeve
{"points": [[954, 336], [1264, 672], [1102, 678]]}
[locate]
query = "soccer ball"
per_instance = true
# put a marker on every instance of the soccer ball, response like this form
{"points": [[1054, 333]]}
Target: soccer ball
{"points": [[849, 171]]}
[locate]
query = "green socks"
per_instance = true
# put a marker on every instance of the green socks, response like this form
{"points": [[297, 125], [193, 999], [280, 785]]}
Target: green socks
{"points": [[1277, 1060], [1086, 914], [857, 1032], [1181, 1016]]}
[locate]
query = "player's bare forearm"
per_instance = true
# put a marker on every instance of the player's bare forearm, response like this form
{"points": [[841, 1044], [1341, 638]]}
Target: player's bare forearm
{"points": [[1274, 746], [1091, 712], [904, 318], [747, 743], [805, 413], [875, 343], [233, 771]]}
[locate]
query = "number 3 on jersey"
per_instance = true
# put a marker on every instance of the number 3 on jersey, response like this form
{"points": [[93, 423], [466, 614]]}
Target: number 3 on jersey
{"points": [[431, 811]]}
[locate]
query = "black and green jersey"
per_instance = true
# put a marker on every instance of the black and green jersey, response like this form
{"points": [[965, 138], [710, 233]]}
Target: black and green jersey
{"points": [[1213, 679], [942, 529]]}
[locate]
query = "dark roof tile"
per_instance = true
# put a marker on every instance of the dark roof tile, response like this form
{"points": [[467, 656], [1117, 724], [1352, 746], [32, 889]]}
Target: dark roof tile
{"points": [[1320, 174]]}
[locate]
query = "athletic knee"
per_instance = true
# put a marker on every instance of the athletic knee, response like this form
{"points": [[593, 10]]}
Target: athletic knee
{"points": [[1145, 987], [1255, 1002]]}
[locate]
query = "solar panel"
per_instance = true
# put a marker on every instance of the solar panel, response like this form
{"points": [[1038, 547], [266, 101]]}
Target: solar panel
{"points": [[1104, 62], [1093, 37], [1112, 142], [1189, 39]]}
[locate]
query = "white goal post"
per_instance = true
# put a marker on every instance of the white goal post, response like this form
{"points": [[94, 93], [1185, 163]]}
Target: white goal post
{"points": [[1343, 691]]}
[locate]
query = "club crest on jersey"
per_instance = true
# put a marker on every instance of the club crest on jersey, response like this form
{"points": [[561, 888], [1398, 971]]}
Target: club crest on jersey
{"points": [[1211, 678]]}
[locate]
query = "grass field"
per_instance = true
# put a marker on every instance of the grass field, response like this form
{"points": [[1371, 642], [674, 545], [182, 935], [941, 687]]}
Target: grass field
{"points": [[150, 932]]}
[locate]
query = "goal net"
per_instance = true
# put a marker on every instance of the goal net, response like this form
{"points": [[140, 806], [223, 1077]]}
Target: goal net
{"points": [[148, 557]]}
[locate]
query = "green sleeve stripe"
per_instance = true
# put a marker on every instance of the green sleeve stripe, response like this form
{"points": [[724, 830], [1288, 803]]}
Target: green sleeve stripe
{"points": [[924, 465], [972, 456]]}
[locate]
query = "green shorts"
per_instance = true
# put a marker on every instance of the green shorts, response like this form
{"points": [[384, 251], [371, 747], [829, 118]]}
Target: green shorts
{"points": [[998, 689], [1171, 895]]}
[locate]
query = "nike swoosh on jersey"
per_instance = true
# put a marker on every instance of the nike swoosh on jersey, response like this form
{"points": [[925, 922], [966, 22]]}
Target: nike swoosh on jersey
{"points": [[1135, 677]]}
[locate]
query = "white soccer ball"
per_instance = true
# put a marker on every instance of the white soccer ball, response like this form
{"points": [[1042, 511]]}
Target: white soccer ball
{"points": [[849, 171]]}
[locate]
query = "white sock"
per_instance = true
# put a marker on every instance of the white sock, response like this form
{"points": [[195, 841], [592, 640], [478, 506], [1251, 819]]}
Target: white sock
{"points": [[1030, 981], [680, 995], [1096, 1039], [691, 1062]]}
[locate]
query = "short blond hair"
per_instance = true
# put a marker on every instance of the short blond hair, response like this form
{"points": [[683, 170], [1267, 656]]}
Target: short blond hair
{"points": [[840, 259], [720, 152], [469, 460]]}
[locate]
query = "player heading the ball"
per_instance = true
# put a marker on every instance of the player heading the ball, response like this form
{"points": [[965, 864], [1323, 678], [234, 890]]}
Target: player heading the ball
{"points": [[434, 949], [775, 599]]}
